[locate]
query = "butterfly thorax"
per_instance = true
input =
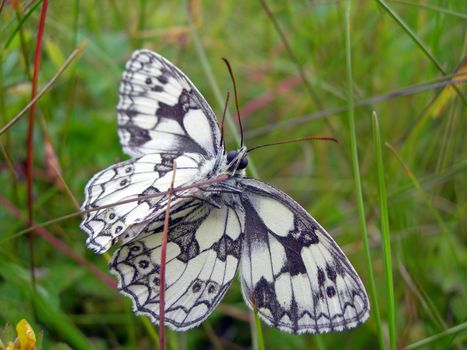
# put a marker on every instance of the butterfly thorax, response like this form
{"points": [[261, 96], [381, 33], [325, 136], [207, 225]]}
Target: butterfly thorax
{"points": [[237, 161]]}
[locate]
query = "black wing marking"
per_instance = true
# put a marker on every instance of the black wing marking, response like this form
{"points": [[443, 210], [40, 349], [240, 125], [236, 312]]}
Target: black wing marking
{"points": [[203, 251], [161, 110], [135, 178], [292, 270]]}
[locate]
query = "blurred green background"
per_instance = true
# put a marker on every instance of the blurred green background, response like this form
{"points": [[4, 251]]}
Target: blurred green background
{"points": [[289, 60]]}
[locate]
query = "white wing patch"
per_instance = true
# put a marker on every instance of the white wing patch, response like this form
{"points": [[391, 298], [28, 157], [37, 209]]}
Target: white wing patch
{"points": [[298, 279], [160, 110], [202, 260], [143, 176]]}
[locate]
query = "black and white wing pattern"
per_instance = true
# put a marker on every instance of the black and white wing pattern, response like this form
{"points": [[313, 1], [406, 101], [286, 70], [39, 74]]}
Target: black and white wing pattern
{"points": [[203, 252], [135, 178], [292, 271], [161, 110]]}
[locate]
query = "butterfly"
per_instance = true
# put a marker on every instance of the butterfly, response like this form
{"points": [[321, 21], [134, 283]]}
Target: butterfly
{"points": [[291, 270]]}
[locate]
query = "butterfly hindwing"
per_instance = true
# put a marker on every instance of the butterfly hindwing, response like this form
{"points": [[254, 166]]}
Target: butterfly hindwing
{"points": [[161, 110], [292, 271], [203, 251], [135, 178]]}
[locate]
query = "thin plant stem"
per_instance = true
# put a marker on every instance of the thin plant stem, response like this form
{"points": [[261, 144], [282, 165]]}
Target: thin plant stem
{"points": [[141, 22], [217, 179], [57, 243], [427, 341], [8, 162], [215, 87], [418, 42], [42, 92], [356, 175], [30, 137], [24, 51], [75, 22], [421, 192], [20, 24], [259, 331], [432, 8], [165, 234], [383, 203], [292, 55], [150, 330], [298, 66], [410, 90]]}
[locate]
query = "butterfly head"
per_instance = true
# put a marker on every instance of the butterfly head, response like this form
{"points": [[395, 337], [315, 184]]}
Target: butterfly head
{"points": [[237, 160]]}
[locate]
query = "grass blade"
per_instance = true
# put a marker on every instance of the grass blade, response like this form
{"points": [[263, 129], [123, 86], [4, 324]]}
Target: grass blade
{"points": [[432, 8], [22, 20], [427, 341], [423, 195], [385, 232], [215, 86], [417, 41], [259, 331], [356, 174], [42, 92]]}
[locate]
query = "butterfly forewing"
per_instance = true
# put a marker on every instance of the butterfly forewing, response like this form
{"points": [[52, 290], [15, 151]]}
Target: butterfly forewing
{"points": [[161, 110], [138, 179], [203, 251], [292, 271]]}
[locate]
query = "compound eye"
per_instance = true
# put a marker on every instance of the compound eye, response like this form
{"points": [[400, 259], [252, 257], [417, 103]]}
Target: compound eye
{"points": [[231, 156], [243, 163]]}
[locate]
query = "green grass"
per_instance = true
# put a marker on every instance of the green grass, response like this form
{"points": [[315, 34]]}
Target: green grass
{"points": [[302, 68], [357, 178], [383, 207]]}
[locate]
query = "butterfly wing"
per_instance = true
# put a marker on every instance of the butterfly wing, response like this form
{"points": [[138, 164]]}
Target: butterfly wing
{"points": [[203, 251], [161, 110], [135, 178], [292, 270]]}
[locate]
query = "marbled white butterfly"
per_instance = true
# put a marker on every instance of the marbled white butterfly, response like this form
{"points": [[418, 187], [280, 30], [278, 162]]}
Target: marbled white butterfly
{"points": [[291, 270]]}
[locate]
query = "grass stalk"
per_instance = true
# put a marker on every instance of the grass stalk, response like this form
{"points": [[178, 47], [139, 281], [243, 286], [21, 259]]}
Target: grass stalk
{"points": [[42, 92], [149, 327], [356, 175], [259, 332], [20, 23], [141, 23], [432, 8], [424, 343], [426, 200], [215, 87], [30, 136], [76, 22], [383, 203], [292, 55], [165, 234], [59, 245], [217, 179], [417, 41]]}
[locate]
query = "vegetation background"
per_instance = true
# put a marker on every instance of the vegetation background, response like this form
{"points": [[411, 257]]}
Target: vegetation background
{"points": [[292, 65]]}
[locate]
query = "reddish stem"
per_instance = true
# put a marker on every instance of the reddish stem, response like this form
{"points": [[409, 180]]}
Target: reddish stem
{"points": [[30, 140], [165, 234]]}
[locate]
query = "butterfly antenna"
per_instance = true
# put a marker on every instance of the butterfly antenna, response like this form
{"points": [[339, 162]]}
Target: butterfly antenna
{"points": [[236, 99], [223, 118], [301, 139]]}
